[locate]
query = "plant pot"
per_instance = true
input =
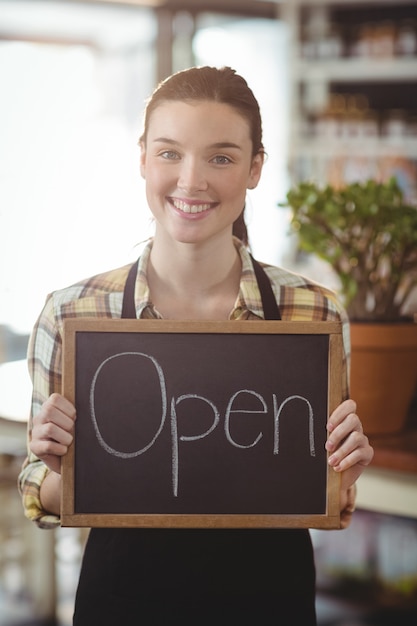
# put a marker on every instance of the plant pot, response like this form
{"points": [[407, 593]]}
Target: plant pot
{"points": [[383, 374]]}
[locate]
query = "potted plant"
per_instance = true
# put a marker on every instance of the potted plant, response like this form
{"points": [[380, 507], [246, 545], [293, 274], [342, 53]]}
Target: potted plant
{"points": [[368, 233]]}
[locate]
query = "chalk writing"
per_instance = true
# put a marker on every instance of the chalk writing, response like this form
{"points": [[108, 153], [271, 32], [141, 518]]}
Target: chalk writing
{"points": [[231, 412], [107, 448]]}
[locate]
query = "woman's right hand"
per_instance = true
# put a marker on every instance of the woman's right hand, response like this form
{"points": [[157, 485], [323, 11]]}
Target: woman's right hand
{"points": [[53, 431]]}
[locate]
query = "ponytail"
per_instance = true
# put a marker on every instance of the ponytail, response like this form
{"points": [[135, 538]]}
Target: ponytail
{"points": [[240, 229]]}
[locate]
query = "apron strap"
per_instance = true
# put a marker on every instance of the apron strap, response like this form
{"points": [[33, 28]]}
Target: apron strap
{"points": [[269, 303], [128, 308]]}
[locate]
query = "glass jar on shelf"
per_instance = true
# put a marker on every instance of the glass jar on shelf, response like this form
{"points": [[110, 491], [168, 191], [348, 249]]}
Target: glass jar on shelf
{"points": [[383, 40], [406, 40], [361, 44], [394, 125]]}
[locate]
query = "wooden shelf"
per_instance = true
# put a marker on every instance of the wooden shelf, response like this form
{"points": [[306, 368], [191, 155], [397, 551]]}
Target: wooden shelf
{"points": [[378, 3], [365, 69], [372, 147], [323, 61]]}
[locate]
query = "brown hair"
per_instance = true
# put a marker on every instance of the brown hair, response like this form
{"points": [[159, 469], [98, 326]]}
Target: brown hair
{"points": [[220, 85]]}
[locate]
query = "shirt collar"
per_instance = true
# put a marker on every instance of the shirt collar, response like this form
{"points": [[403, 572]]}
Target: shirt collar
{"points": [[248, 300], [144, 306]]}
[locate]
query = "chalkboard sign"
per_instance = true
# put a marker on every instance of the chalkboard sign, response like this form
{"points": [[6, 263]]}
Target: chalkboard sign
{"points": [[196, 424]]}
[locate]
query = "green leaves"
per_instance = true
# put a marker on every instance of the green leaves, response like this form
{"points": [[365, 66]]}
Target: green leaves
{"points": [[368, 234]]}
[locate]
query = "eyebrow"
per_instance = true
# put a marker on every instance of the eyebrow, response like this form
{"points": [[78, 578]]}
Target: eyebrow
{"points": [[217, 146]]}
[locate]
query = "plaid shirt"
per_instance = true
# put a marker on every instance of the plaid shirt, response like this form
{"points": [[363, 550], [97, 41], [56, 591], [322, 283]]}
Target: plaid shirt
{"points": [[101, 296]]}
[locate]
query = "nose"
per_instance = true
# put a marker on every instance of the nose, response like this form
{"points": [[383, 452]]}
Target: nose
{"points": [[192, 177]]}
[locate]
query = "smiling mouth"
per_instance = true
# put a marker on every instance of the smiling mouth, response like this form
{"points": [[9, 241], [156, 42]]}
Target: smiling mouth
{"points": [[188, 207]]}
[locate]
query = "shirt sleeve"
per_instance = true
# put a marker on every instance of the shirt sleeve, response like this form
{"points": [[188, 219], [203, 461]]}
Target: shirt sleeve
{"points": [[44, 361]]}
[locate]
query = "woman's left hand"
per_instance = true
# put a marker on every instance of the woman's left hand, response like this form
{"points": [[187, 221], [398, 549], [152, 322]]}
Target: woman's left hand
{"points": [[349, 451]]}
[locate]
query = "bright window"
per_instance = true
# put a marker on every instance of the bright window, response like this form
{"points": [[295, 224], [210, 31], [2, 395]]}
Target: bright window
{"points": [[71, 197]]}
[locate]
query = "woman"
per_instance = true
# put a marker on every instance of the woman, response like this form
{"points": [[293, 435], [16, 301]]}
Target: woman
{"points": [[201, 149]]}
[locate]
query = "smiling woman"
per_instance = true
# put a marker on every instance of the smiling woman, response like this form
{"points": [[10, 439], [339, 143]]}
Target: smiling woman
{"points": [[196, 194], [194, 268], [194, 172]]}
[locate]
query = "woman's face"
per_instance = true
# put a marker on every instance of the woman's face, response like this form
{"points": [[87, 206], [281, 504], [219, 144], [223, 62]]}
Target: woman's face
{"points": [[197, 162]]}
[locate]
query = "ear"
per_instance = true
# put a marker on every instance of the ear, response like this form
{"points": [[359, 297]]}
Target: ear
{"points": [[142, 158], [255, 170]]}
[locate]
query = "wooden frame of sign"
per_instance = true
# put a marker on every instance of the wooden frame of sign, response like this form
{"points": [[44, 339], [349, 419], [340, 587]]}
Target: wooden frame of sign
{"points": [[201, 424]]}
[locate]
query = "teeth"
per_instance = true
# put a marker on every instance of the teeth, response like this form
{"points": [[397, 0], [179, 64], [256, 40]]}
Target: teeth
{"points": [[190, 208]]}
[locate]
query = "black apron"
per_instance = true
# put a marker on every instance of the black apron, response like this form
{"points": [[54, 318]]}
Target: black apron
{"points": [[197, 577]]}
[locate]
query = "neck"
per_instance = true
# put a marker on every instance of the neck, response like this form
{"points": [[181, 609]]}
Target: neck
{"points": [[189, 282]]}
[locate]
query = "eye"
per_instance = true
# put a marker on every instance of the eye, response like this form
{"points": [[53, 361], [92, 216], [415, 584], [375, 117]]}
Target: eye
{"points": [[221, 159], [170, 155]]}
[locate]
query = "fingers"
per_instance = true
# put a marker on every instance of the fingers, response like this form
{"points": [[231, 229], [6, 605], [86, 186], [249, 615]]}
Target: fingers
{"points": [[52, 430], [347, 444], [355, 450], [347, 408]]}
